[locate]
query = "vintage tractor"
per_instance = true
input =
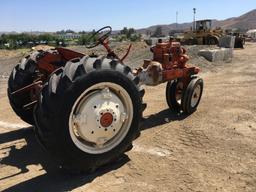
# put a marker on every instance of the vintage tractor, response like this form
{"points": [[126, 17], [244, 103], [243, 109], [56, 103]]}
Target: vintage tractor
{"points": [[86, 110]]}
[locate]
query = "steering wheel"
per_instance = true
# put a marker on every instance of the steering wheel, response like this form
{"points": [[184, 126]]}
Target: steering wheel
{"points": [[99, 37]]}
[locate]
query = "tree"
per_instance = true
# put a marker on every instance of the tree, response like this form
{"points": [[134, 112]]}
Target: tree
{"points": [[124, 31], [24, 39], [46, 37], [135, 37], [65, 31], [129, 34], [70, 31], [86, 39], [60, 32], [83, 40], [82, 32]]}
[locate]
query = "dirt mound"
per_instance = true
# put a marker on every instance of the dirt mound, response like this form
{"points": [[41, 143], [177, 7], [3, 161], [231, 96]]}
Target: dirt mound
{"points": [[9, 58], [12, 53], [139, 52]]}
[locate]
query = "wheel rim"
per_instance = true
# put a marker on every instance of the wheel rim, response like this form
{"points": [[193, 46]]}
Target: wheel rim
{"points": [[196, 96], [178, 92], [100, 118]]}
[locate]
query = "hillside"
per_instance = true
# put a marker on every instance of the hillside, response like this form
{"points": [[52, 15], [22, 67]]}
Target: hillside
{"points": [[246, 21]]}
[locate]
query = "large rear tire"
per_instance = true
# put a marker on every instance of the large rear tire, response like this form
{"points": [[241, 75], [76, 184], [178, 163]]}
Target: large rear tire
{"points": [[22, 75], [89, 113]]}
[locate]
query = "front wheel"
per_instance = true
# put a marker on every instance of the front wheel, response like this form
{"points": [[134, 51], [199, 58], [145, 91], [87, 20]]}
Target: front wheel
{"points": [[89, 113], [174, 92], [192, 95]]}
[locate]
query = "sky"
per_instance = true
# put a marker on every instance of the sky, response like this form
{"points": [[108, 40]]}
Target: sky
{"points": [[53, 15]]}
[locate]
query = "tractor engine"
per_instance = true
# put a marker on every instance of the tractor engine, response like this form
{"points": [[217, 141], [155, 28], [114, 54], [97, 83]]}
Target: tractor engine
{"points": [[166, 57]]}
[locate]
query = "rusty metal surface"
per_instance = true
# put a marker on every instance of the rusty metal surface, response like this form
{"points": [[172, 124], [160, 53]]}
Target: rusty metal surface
{"points": [[169, 63], [151, 73], [47, 61], [24, 89]]}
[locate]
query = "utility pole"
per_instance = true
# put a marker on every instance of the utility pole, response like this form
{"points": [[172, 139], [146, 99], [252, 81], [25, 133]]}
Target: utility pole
{"points": [[194, 23], [177, 14]]}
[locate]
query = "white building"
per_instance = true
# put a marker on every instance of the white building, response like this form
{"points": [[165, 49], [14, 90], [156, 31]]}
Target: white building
{"points": [[251, 34], [69, 36]]}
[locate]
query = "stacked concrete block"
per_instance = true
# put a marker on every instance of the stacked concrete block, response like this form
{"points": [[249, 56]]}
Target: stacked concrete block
{"points": [[214, 55], [227, 41], [224, 53], [228, 54]]}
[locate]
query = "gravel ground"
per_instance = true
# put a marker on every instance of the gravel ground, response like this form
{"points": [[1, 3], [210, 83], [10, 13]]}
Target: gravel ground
{"points": [[214, 149]]}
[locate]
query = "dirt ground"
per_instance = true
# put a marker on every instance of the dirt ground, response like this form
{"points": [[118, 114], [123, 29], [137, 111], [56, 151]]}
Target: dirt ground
{"points": [[214, 149]]}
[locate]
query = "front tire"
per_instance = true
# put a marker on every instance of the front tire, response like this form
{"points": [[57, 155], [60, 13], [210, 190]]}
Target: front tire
{"points": [[192, 95], [174, 93], [89, 113]]}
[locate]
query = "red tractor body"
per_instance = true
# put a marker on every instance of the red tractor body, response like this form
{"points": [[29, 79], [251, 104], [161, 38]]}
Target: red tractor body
{"points": [[87, 109]]}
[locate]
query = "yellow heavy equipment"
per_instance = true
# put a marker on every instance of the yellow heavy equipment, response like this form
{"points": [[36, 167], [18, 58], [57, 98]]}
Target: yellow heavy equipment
{"points": [[203, 34]]}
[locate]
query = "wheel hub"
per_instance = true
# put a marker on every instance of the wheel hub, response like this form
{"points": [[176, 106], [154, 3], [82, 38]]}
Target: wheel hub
{"points": [[106, 119], [196, 96], [99, 117]]}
